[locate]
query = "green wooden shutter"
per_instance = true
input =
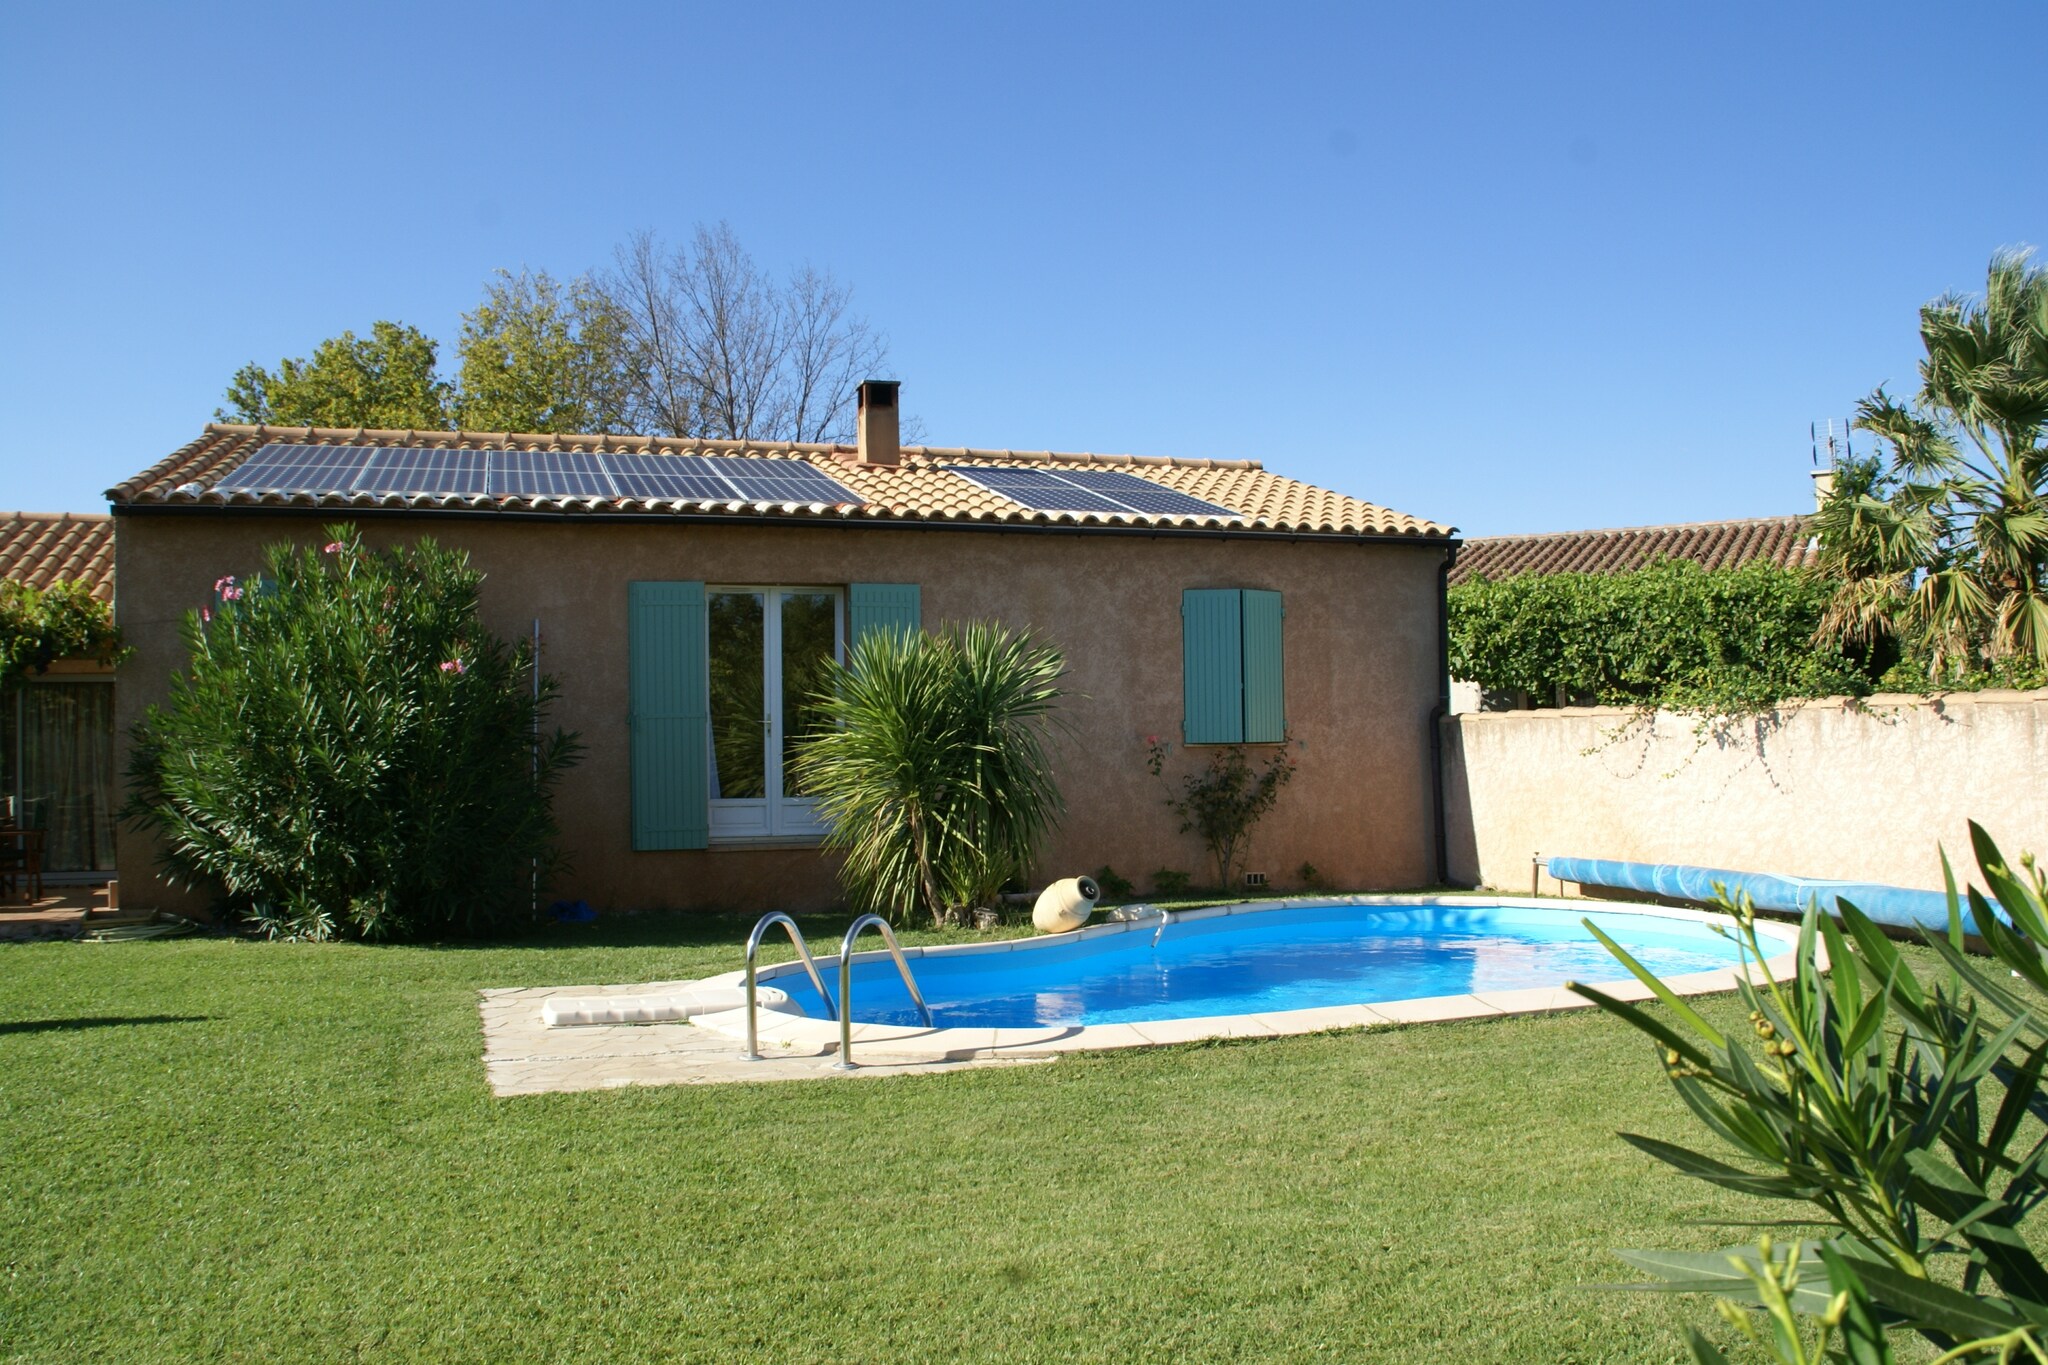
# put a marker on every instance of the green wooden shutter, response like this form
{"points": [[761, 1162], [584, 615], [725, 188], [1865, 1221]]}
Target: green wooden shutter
{"points": [[1265, 692], [882, 606], [669, 687], [1212, 666]]}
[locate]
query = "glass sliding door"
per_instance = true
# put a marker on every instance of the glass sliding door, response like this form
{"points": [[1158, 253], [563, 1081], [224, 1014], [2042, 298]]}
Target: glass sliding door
{"points": [[767, 653], [739, 711], [63, 753]]}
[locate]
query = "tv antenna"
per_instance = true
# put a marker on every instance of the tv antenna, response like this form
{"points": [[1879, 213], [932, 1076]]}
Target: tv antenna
{"points": [[1837, 442]]}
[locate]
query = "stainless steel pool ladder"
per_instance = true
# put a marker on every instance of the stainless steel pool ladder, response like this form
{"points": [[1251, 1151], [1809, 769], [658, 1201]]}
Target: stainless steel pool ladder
{"points": [[845, 1062], [843, 1011], [796, 936]]}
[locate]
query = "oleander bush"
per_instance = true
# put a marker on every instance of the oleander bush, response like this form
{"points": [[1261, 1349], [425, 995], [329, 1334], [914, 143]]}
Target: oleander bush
{"points": [[350, 753], [1899, 1120]]}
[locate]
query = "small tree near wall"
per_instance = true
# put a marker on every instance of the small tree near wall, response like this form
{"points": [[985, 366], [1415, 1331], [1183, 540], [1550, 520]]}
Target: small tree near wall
{"points": [[1225, 800], [351, 753]]}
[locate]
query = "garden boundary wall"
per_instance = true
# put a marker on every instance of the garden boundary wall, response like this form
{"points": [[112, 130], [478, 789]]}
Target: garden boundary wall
{"points": [[1866, 790]]}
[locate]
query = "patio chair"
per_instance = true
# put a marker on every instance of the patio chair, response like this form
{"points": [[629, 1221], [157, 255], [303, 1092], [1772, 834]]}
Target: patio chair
{"points": [[21, 856]]}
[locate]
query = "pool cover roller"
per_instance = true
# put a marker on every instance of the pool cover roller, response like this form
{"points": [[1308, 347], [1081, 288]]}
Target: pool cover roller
{"points": [[1898, 906]]}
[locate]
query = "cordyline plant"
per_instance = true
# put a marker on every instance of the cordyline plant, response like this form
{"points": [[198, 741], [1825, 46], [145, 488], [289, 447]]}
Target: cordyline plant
{"points": [[351, 754], [1905, 1113], [931, 765]]}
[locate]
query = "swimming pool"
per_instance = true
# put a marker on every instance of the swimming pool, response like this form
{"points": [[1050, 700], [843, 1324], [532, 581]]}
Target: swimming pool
{"points": [[1278, 959]]}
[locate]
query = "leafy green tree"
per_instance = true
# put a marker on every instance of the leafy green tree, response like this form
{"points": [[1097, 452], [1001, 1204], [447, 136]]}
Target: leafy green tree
{"points": [[931, 766], [541, 356], [1944, 546], [351, 753], [387, 380]]}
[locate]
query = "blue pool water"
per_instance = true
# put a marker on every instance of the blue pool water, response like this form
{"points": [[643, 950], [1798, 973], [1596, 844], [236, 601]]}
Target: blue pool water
{"points": [[1264, 961]]}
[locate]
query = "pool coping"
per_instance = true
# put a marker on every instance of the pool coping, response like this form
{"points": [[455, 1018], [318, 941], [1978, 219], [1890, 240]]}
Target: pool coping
{"points": [[784, 1029]]}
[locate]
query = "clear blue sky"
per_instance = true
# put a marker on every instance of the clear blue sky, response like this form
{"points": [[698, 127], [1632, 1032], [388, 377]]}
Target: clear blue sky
{"points": [[1515, 267]]}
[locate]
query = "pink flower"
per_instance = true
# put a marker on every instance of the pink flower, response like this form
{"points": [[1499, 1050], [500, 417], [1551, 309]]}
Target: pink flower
{"points": [[221, 585], [332, 547], [1151, 740], [231, 595], [453, 666], [206, 614]]}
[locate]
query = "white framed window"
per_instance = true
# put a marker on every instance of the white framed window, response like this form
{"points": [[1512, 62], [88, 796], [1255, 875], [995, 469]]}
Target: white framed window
{"points": [[767, 651]]}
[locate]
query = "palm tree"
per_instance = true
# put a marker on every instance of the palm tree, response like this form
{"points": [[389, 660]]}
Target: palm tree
{"points": [[1946, 547]]}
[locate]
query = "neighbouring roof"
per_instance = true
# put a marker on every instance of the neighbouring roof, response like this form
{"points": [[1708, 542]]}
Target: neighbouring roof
{"points": [[1785, 541], [41, 548], [917, 490]]}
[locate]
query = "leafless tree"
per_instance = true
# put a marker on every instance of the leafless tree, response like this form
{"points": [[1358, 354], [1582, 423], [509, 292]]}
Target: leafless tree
{"points": [[722, 350]]}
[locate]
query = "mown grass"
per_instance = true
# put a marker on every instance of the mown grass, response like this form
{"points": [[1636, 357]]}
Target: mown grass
{"points": [[223, 1150]]}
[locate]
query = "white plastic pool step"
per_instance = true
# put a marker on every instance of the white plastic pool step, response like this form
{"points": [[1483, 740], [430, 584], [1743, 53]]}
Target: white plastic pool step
{"points": [[569, 1011]]}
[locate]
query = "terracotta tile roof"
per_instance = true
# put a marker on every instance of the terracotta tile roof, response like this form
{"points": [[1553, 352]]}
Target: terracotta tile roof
{"points": [[917, 490], [1784, 541], [41, 548]]}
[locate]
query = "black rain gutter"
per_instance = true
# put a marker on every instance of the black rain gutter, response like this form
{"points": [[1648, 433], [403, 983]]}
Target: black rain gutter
{"points": [[1441, 711]]}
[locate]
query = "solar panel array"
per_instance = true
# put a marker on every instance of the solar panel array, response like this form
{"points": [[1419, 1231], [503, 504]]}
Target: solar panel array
{"points": [[1087, 490], [419, 471]]}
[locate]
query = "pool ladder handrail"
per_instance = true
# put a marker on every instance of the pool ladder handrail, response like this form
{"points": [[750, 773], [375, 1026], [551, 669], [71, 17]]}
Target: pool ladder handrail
{"points": [[865, 922], [803, 950]]}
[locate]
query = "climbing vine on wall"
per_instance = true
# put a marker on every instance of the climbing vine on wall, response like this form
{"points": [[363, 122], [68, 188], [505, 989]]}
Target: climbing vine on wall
{"points": [[1672, 635], [39, 626]]}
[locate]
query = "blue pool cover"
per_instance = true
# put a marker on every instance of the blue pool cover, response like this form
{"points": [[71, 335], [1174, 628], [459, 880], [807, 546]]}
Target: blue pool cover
{"points": [[1898, 906]]}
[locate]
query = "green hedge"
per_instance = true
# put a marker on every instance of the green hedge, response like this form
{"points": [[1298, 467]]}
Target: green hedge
{"points": [[1671, 634]]}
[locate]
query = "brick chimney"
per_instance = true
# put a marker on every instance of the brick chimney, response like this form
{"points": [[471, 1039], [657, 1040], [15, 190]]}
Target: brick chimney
{"points": [[881, 433]]}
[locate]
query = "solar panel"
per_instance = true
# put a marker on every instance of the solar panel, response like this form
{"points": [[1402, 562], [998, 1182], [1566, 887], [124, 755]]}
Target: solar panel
{"points": [[667, 476], [413, 470], [1141, 494], [421, 471], [548, 474], [1086, 490], [298, 469], [1036, 489], [758, 479]]}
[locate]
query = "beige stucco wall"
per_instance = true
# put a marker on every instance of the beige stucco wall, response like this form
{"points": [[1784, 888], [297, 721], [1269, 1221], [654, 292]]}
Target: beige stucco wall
{"points": [[1361, 660], [1865, 791]]}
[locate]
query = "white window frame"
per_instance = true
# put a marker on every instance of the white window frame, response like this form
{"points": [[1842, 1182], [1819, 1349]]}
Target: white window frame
{"points": [[774, 818]]}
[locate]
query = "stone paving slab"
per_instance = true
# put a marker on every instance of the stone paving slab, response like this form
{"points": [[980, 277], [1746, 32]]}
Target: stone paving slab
{"points": [[523, 1056]]}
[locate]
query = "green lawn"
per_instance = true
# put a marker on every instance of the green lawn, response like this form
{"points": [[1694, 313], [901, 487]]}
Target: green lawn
{"points": [[220, 1150]]}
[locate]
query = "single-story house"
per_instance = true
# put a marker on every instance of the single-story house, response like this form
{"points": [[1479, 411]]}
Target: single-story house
{"points": [[57, 751], [1784, 541], [678, 583]]}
